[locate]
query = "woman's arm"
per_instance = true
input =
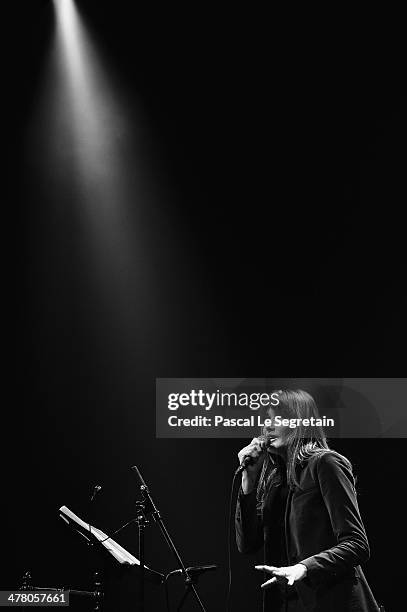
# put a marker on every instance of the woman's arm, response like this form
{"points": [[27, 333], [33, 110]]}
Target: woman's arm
{"points": [[248, 523], [337, 487]]}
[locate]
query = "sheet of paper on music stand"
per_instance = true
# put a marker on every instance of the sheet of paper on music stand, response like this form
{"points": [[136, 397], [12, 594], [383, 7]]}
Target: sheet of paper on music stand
{"points": [[118, 552]]}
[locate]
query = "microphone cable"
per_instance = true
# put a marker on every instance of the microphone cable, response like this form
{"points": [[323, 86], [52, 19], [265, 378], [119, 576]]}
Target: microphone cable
{"points": [[229, 540], [117, 530]]}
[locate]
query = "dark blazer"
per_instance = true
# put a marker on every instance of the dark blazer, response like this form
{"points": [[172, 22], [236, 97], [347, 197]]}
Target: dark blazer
{"points": [[322, 529]]}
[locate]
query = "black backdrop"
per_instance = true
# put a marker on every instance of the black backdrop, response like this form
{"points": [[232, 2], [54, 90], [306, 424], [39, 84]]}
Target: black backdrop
{"points": [[275, 245]]}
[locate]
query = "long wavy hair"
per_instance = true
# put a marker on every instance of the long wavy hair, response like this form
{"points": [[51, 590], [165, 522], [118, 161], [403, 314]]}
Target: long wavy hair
{"points": [[303, 442]]}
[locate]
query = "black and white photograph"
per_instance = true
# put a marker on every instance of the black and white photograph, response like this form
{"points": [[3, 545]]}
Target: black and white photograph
{"points": [[206, 403]]}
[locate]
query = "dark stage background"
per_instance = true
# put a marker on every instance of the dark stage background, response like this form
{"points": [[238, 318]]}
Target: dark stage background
{"points": [[265, 177]]}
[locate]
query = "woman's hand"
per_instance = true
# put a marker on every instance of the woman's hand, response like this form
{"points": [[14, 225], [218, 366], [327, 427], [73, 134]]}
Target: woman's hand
{"points": [[286, 575], [256, 450]]}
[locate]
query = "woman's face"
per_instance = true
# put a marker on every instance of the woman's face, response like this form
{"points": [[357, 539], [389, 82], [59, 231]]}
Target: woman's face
{"points": [[277, 434]]}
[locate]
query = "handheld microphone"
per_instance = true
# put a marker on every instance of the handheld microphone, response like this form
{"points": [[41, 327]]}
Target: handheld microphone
{"points": [[248, 459]]}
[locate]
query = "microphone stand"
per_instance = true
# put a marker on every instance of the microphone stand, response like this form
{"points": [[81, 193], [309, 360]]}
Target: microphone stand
{"points": [[97, 573], [150, 508], [141, 523]]}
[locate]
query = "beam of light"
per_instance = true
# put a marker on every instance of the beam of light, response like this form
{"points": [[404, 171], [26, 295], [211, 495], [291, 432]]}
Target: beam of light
{"points": [[92, 120], [111, 279], [68, 24], [96, 119], [91, 139]]}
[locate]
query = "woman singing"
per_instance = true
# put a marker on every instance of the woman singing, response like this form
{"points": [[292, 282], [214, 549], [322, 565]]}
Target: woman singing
{"points": [[298, 499]]}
